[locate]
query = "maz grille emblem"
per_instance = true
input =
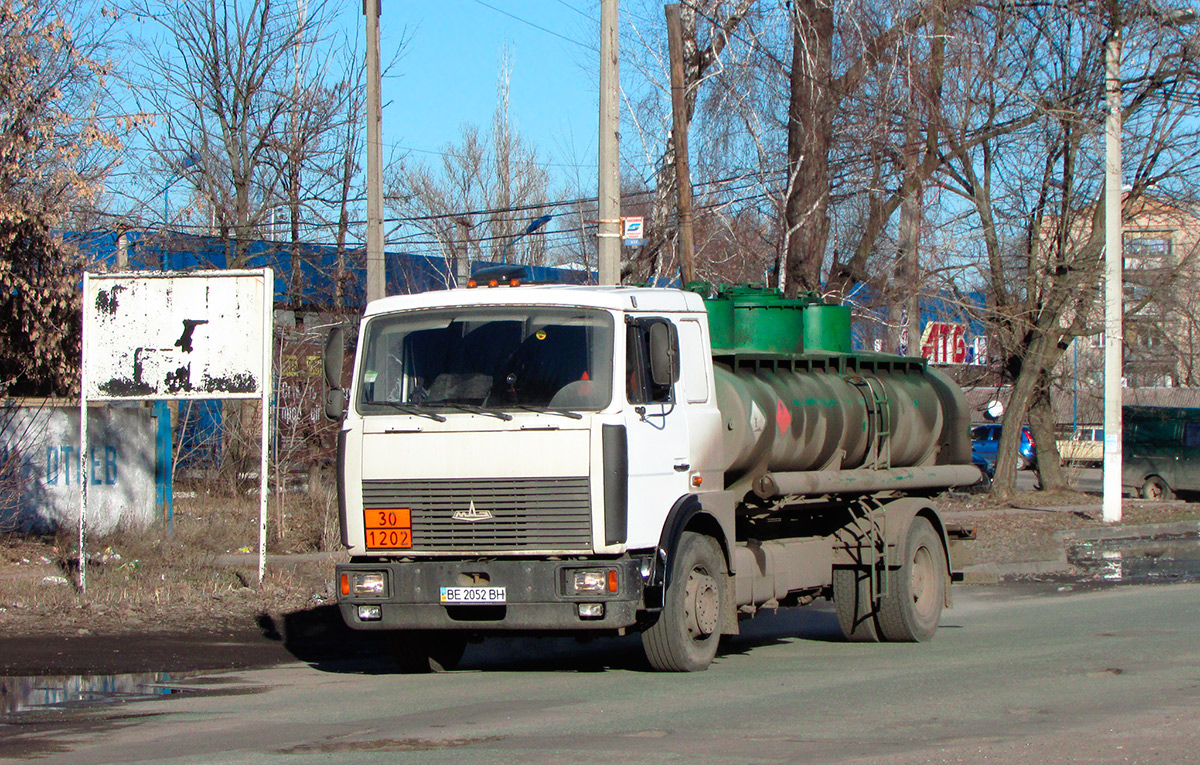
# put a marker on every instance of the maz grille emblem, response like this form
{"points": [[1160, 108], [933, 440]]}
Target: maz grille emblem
{"points": [[471, 514]]}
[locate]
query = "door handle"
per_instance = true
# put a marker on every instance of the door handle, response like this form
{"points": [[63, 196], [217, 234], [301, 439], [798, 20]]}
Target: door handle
{"points": [[682, 467]]}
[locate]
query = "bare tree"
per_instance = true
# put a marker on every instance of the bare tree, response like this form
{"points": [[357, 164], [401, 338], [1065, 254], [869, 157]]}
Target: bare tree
{"points": [[253, 120], [478, 201], [56, 147], [310, 145], [221, 76], [1034, 176], [708, 27]]}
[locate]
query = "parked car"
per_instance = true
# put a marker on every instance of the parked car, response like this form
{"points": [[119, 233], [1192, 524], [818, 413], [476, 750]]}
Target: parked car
{"points": [[1161, 447], [985, 443], [986, 470], [1084, 446]]}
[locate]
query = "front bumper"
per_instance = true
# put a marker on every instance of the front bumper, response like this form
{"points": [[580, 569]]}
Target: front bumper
{"points": [[536, 595]]}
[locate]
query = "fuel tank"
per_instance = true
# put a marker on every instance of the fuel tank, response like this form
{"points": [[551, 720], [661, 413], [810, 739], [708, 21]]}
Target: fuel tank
{"points": [[790, 408]]}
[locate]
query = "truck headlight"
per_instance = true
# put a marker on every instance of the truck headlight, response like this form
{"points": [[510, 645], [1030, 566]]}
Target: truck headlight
{"points": [[369, 583], [595, 581]]}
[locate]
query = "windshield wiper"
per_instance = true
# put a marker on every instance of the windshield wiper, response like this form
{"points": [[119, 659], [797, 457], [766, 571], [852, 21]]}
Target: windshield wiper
{"points": [[543, 410], [475, 409], [410, 409]]}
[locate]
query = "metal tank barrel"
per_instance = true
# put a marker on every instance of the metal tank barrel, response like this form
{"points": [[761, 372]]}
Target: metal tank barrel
{"points": [[824, 409]]}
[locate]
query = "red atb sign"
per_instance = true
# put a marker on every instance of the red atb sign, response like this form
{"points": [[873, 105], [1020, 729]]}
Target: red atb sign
{"points": [[943, 342]]}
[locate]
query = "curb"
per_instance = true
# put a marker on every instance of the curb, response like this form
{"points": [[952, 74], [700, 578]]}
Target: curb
{"points": [[1129, 532]]}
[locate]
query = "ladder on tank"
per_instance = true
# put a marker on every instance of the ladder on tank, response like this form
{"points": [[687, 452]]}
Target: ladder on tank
{"points": [[879, 419]]}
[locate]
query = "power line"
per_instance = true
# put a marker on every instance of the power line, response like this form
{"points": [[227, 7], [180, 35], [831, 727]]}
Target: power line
{"points": [[592, 48], [565, 4]]}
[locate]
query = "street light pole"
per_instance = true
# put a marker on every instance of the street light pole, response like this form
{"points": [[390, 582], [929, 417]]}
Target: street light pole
{"points": [[1113, 283], [534, 225], [188, 161]]}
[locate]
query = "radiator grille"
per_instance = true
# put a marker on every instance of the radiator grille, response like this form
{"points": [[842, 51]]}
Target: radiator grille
{"points": [[526, 513]]}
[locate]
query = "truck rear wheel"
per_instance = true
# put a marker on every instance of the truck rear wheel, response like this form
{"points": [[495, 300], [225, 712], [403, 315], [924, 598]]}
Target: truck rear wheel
{"points": [[421, 652], [685, 637], [853, 604], [912, 609]]}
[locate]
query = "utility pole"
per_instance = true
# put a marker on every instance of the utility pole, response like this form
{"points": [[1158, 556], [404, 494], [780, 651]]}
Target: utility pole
{"points": [[609, 181], [1113, 282], [375, 266], [679, 132]]}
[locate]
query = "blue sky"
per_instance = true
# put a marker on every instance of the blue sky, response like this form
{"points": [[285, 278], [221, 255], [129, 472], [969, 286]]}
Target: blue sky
{"points": [[448, 71]]}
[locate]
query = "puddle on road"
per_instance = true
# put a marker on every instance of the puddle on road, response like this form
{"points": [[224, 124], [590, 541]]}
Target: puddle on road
{"points": [[1174, 558], [22, 694]]}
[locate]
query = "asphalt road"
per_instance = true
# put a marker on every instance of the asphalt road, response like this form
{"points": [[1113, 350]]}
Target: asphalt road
{"points": [[1018, 673]]}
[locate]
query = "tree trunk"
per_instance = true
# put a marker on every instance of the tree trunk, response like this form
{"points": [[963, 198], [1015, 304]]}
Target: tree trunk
{"points": [[1041, 422], [906, 305], [806, 213]]}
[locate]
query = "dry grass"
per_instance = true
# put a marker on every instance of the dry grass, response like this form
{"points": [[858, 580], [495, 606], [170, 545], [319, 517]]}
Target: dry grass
{"points": [[152, 579]]}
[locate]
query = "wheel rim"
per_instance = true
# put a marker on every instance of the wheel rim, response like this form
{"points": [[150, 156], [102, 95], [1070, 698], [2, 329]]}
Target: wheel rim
{"points": [[1153, 490], [702, 604], [924, 582]]}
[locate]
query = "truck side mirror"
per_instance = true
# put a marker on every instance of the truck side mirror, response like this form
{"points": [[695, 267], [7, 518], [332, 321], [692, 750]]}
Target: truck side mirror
{"points": [[664, 354], [332, 361]]}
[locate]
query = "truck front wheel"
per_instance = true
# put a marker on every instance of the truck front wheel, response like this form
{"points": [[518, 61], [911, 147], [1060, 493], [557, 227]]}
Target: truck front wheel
{"points": [[422, 652], [685, 637], [912, 609]]}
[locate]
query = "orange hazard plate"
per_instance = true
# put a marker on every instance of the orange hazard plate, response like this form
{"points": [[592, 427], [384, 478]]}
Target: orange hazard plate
{"points": [[388, 529]]}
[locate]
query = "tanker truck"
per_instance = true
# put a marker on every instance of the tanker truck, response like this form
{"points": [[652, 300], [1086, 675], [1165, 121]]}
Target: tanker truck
{"points": [[546, 459]]}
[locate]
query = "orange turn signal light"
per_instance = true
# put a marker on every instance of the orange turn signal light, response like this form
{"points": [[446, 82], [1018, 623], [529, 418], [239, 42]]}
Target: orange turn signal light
{"points": [[345, 584], [612, 580]]}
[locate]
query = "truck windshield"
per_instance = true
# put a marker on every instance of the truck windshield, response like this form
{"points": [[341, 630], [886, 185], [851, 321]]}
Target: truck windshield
{"points": [[496, 357]]}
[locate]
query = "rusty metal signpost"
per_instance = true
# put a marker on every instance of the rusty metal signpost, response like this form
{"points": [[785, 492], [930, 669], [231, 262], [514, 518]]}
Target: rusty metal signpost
{"points": [[173, 336]]}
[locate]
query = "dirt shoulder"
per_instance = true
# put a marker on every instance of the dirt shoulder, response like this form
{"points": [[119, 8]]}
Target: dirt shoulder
{"points": [[178, 604], [1030, 529]]}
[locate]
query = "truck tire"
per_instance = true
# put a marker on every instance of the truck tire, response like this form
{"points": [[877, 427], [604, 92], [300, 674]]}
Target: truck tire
{"points": [[418, 653], [1156, 488], [912, 608], [852, 602], [685, 637]]}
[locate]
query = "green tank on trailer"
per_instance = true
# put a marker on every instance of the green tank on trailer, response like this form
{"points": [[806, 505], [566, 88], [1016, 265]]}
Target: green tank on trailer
{"points": [[795, 399]]}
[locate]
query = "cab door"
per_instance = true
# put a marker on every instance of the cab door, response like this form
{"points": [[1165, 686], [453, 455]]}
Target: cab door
{"points": [[656, 426]]}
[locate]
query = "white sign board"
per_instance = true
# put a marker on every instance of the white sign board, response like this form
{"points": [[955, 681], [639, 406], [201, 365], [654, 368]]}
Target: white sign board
{"points": [[195, 335], [632, 229], [200, 335]]}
